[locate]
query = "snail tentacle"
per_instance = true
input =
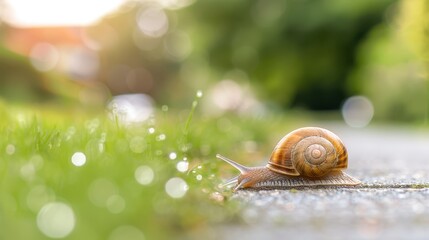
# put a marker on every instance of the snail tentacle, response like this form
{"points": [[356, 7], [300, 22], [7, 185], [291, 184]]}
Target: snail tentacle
{"points": [[228, 182], [241, 168], [241, 184]]}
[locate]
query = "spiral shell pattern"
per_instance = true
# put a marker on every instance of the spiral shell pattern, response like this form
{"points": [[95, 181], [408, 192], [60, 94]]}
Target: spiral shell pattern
{"points": [[309, 152]]}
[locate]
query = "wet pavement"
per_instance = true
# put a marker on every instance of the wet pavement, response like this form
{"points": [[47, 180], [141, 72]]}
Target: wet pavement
{"points": [[391, 203]]}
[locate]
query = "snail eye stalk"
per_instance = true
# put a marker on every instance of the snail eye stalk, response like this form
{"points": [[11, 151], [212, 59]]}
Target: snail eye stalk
{"points": [[229, 182], [241, 168]]}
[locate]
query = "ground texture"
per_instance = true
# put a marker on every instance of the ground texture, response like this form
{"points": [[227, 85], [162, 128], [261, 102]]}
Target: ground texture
{"points": [[391, 203]]}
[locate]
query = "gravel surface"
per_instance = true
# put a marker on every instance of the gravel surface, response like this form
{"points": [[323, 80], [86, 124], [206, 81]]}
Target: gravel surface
{"points": [[392, 202]]}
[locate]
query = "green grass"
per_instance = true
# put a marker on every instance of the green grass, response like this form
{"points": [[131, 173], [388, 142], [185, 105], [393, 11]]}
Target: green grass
{"points": [[106, 198]]}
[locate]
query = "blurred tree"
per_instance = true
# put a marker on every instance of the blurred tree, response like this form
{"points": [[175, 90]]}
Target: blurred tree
{"points": [[414, 25], [19, 81], [124, 66], [297, 53], [393, 64], [391, 76]]}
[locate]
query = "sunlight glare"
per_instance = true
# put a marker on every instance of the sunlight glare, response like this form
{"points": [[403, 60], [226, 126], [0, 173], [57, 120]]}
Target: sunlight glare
{"points": [[24, 13]]}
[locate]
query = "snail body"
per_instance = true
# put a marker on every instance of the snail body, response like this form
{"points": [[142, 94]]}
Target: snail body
{"points": [[309, 156]]}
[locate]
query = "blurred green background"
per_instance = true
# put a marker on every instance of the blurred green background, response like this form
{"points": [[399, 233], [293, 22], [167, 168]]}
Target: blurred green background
{"points": [[277, 55], [182, 80]]}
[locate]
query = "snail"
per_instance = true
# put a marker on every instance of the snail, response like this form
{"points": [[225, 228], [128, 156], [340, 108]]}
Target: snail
{"points": [[309, 156]]}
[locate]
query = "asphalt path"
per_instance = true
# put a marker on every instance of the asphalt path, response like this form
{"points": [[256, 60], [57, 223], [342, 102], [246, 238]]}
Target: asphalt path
{"points": [[391, 203]]}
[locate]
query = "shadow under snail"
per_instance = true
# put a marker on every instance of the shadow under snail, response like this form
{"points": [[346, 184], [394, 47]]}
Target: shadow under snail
{"points": [[309, 156]]}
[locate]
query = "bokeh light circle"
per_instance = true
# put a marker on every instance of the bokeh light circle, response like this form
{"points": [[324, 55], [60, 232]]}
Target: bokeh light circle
{"points": [[78, 159], [176, 187], [44, 56], [182, 166], [152, 21], [144, 175], [131, 108], [357, 111], [56, 220]]}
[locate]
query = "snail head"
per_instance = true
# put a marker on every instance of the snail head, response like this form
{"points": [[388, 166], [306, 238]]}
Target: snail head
{"points": [[249, 176]]}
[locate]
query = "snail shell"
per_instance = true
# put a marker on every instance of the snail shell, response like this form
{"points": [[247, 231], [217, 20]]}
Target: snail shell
{"points": [[309, 156], [309, 152]]}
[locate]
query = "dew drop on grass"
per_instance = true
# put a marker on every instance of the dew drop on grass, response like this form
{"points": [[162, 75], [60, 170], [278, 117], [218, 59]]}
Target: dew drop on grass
{"points": [[172, 155], [217, 197], [94, 147], [10, 149], [161, 137], [69, 133], [144, 175], [78, 159], [92, 125], [151, 130], [199, 94], [176, 187], [126, 232], [199, 177], [164, 108], [182, 166], [22, 120], [185, 147], [56, 220], [131, 108], [103, 137], [101, 147]]}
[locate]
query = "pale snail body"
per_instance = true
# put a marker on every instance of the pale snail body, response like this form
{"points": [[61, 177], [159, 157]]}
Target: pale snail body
{"points": [[309, 156]]}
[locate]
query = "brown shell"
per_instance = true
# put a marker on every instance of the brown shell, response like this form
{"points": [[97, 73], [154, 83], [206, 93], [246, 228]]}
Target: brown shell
{"points": [[309, 152]]}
